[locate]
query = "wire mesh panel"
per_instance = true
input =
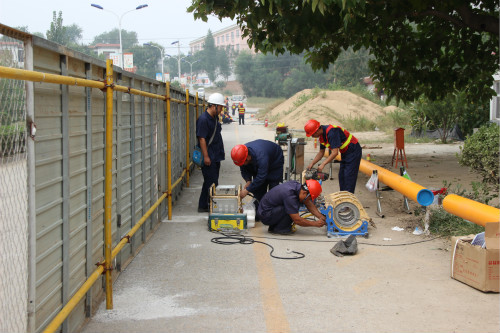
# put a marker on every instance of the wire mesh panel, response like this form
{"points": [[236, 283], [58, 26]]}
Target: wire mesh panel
{"points": [[13, 193]]}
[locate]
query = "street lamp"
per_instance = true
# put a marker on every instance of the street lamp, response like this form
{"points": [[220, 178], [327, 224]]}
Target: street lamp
{"points": [[191, 64], [119, 24], [162, 57], [178, 58]]}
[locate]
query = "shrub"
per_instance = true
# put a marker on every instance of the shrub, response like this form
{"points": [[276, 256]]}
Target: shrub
{"points": [[480, 153]]}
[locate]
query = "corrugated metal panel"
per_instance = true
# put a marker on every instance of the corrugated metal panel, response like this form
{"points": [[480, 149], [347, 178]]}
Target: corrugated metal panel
{"points": [[70, 168]]}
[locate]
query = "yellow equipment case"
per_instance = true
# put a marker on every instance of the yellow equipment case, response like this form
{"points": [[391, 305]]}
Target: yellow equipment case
{"points": [[226, 212]]}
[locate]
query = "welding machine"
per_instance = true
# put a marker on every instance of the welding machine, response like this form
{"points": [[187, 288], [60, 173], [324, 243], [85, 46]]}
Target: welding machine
{"points": [[226, 212]]}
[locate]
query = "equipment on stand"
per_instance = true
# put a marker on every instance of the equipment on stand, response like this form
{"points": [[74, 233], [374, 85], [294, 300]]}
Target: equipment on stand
{"points": [[295, 157], [226, 212], [282, 135]]}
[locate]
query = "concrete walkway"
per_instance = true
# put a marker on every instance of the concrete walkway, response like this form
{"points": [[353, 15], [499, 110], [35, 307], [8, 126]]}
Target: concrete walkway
{"points": [[183, 282]]}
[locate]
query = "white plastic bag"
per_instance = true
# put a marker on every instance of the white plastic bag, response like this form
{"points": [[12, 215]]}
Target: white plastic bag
{"points": [[249, 209], [372, 183]]}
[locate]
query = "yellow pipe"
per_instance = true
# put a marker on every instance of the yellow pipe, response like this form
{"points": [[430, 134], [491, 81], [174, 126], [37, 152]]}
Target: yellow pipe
{"points": [[197, 105], [169, 152], [179, 179], [187, 137], [404, 186], [138, 92], [108, 185], [470, 210], [73, 302], [23, 74], [136, 227]]}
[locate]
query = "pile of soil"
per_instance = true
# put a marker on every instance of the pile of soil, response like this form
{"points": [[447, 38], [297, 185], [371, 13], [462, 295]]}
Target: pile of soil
{"points": [[328, 107]]}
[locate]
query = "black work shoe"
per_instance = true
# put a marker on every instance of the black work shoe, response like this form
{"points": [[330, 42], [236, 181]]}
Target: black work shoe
{"points": [[203, 210], [281, 232]]}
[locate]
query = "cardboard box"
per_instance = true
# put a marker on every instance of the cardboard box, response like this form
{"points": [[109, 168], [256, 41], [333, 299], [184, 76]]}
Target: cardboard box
{"points": [[475, 266]]}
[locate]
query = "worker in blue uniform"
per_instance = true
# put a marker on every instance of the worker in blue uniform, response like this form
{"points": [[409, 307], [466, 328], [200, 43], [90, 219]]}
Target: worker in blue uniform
{"points": [[337, 140], [279, 208], [261, 166], [208, 132]]}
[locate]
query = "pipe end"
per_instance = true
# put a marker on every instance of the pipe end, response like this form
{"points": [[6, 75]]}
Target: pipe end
{"points": [[425, 197]]}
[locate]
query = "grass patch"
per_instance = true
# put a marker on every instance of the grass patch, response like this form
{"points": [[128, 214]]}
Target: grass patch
{"points": [[446, 224], [358, 124]]}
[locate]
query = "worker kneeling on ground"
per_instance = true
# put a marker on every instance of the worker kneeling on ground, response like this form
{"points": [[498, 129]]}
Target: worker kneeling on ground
{"points": [[261, 165], [337, 140], [279, 208]]}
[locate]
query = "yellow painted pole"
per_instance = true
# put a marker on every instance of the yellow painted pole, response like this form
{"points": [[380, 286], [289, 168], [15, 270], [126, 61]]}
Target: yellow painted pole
{"points": [[197, 105], [187, 138], [470, 210], [169, 152], [108, 185]]}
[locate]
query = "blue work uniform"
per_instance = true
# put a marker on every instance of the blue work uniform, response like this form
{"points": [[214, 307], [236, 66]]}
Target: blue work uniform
{"points": [[265, 168], [351, 157], [277, 205], [205, 126]]}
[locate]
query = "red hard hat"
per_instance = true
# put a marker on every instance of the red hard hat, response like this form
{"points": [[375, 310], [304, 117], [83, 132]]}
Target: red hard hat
{"points": [[241, 104], [314, 188], [239, 154], [311, 127]]}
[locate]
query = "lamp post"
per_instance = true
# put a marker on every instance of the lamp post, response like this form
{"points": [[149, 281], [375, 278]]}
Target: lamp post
{"points": [[162, 57], [178, 58], [191, 64], [119, 25]]}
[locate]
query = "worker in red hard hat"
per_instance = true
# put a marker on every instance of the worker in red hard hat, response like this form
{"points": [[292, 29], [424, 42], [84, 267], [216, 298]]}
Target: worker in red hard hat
{"points": [[261, 166], [338, 140], [279, 208]]}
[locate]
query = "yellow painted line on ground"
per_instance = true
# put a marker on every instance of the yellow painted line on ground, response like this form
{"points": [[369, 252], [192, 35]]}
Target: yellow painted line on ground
{"points": [[274, 312]]}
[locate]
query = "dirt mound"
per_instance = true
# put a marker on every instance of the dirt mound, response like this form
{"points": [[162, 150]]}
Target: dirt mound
{"points": [[325, 106]]}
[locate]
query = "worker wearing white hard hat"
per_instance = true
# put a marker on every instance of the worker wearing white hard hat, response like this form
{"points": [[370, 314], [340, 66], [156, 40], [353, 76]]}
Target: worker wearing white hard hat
{"points": [[208, 132]]}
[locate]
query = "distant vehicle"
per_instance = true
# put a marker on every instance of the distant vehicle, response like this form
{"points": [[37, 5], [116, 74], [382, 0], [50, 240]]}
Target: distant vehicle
{"points": [[237, 99], [201, 92]]}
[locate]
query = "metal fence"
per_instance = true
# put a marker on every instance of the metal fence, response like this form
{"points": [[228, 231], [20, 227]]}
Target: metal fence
{"points": [[13, 193], [53, 179]]}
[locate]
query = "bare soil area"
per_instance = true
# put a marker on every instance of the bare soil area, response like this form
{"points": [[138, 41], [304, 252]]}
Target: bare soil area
{"points": [[326, 107]]}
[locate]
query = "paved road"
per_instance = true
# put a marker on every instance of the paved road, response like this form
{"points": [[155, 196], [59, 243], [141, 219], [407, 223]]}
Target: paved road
{"points": [[182, 282]]}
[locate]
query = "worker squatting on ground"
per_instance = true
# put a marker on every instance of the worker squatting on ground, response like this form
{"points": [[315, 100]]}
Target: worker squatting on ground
{"points": [[208, 131], [337, 140], [261, 165], [241, 114], [279, 208]]}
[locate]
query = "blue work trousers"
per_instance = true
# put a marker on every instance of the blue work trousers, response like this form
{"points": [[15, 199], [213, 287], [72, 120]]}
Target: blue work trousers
{"points": [[349, 168], [278, 220], [210, 176]]}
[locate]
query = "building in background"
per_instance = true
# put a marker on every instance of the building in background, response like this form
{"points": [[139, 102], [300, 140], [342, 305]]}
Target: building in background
{"points": [[229, 38]]}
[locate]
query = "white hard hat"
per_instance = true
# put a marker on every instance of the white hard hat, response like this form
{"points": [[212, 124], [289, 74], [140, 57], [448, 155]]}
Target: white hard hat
{"points": [[217, 99]]}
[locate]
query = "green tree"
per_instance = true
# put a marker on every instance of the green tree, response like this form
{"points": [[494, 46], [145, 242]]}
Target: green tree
{"points": [[129, 38], [57, 32], [210, 57], [429, 47]]}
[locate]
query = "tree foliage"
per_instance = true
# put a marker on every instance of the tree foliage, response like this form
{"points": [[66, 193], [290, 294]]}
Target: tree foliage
{"points": [[429, 47], [129, 38], [57, 31], [480, 153]]}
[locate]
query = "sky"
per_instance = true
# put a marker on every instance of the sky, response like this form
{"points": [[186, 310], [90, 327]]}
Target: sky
{"points": [[162, 22]]}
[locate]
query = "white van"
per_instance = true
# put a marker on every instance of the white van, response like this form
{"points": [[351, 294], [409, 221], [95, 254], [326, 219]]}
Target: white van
{"points": [[201, 92]]}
